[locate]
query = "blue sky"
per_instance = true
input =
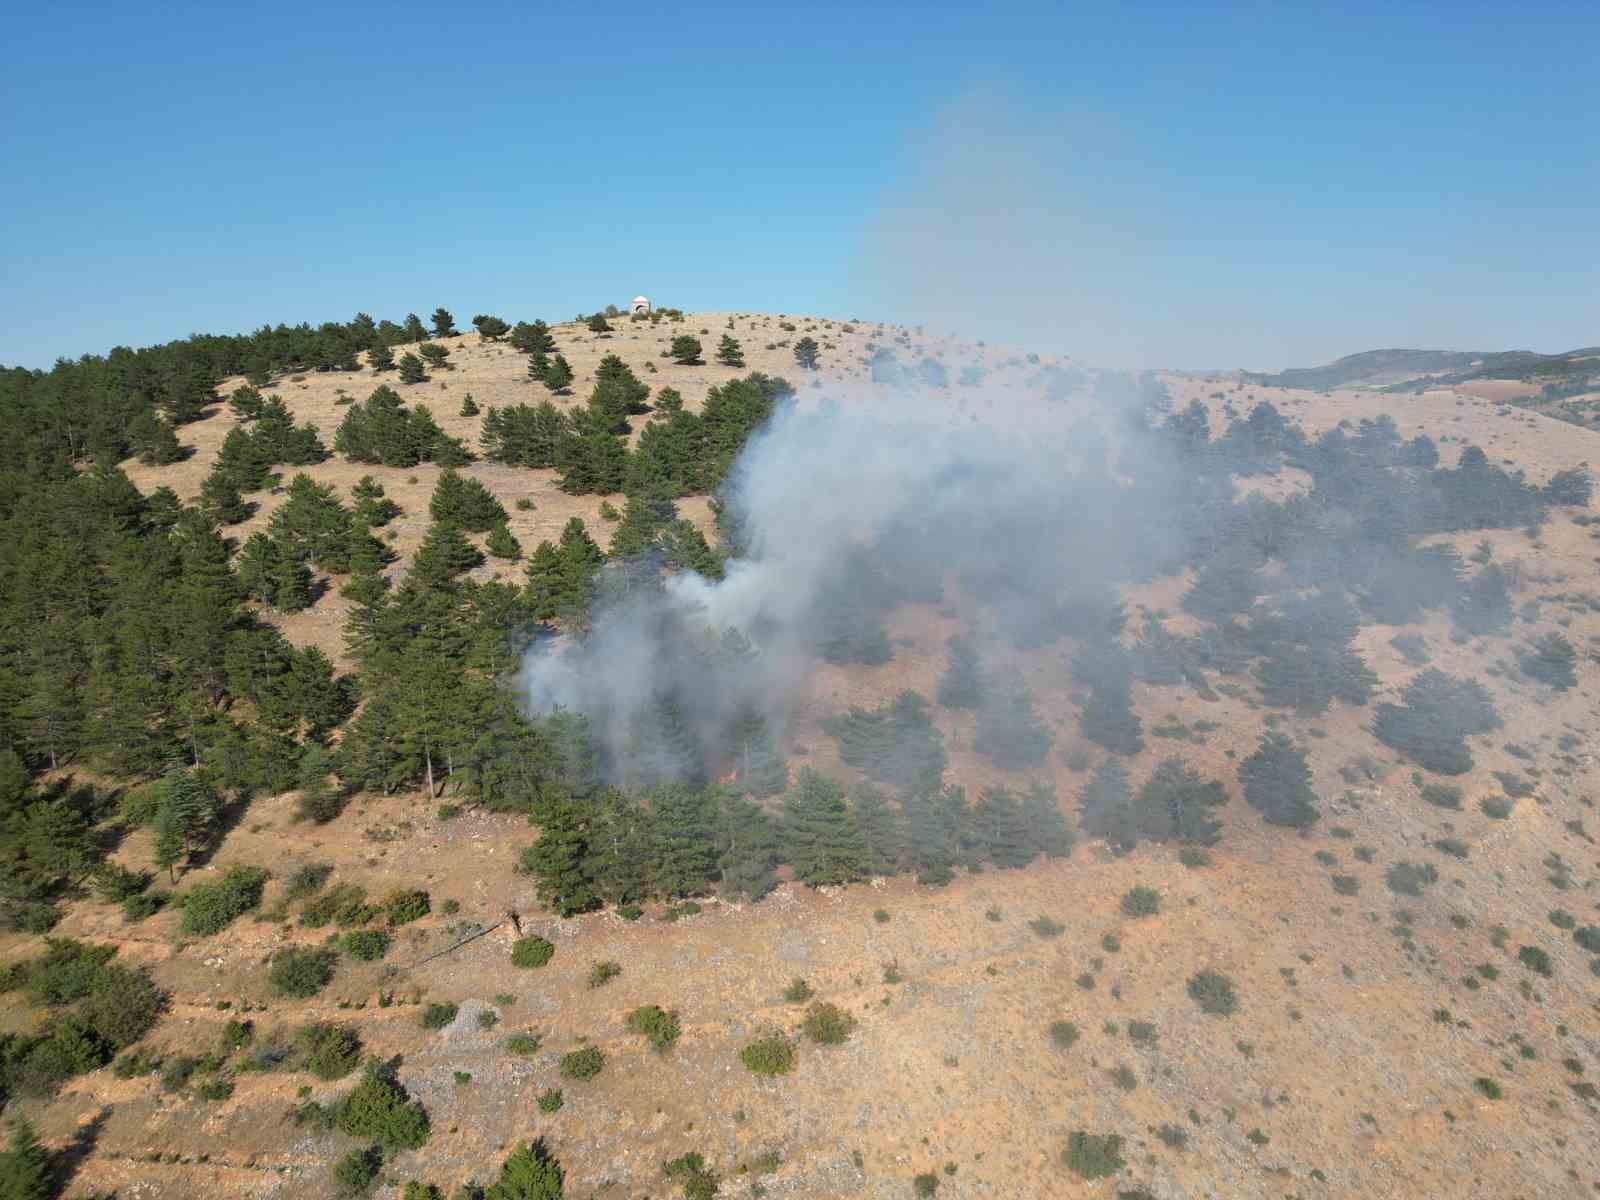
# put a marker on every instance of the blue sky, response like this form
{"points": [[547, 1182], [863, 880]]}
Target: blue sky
{"points": [[1169, 184]]}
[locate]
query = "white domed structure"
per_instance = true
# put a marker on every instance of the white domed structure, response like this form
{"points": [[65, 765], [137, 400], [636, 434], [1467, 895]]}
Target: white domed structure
{"points": [[640, 305]]}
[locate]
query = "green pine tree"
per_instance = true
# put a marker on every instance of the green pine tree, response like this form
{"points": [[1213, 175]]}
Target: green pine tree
{"points": [[961, 686], [1106, 810], [27, 1168], [559, 860], [820, 838], [1277, 782], [1009, 734], [729, 352]]}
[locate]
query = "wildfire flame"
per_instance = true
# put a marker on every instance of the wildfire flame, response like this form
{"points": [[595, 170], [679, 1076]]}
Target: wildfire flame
{"points": [[731, 777]]}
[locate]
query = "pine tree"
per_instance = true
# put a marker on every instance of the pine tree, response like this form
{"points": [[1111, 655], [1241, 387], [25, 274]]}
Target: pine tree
{"points": [[961, 686], [805, 353], [380, 358], [503, 544], [413, 327], [558, 860], [820, 838], [1277, 782], [444, 325], [758, 764], [491, 329], [1550, 660], [934, 824], [1108, 720], [183, 819], [747, 848], [411, 369], [435, 355], [532, 338], [1048, 830], [530, 1173], [1485, 607], [685, 350], [1001, 829], [1106, 810], [27, 1169], [883, 835], [558, 375], [684, 820], [1009, 734], [661, 749], [729, 352], [1175, 803], [896, 743]]}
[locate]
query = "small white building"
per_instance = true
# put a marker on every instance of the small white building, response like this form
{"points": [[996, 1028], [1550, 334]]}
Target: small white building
{"points": [[640, 306]]}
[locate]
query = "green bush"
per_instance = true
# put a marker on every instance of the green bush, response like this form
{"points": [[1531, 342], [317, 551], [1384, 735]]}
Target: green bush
{"points": [[524, 1044], [659, 1026], [368, 945], [1588, 936], [582, 1064], [1213, 992], [1488, 1087], [551, 1100], [828, 1024], [1063, 1034], [301, 972], [437, 1016], [770, 1055], [218, 1087], [236, 1035], [328, 1051], [1408, 879], [1142, 1032], [1045, 927], [1141, 902], [603, 973], [531, 951], [925, 1185], [1093, 1156], [1536, 960], [401, 908], [798, 991], [380, 1110], [356, 1173], [211, 906]]}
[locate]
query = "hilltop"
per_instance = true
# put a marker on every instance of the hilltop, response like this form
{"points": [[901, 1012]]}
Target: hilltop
{"points": [[1375, 977]]}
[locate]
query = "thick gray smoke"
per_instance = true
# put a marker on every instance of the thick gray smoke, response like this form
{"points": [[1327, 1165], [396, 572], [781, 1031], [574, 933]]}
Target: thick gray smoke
{"points": [[842, 512]]}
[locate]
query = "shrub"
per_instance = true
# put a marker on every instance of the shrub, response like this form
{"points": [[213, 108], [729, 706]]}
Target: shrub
{"points": [[770, 1055], [236, 1035], [218, 1087], [1142, 1032], [925, 1185], [1536, 960], [1408, 879], [380, 1109], [357, 1172], [603, 973], [401, 908], [1093, 1156], [828, 1024], [1346, 885], [301, 972], [531, 951], [1488, 1087], [524, 1044], [368, 945], [659, 1026], [1213, 992], [1495, 808], [1124, 1078], [328, 1051], [1063, 1034], [1588, 936], [211, 906], [1045, 927], [550, 1100], [437, 1016], [582, 1064], [1141, 902], [798, 991], [1442, 795]]}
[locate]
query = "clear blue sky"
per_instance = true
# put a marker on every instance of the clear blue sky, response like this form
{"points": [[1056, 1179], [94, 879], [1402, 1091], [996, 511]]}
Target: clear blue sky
{"points": [[1233, 185]]}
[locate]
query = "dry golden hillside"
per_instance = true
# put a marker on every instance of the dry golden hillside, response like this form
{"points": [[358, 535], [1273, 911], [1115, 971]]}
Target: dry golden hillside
{"points": [[1382, 1044]]}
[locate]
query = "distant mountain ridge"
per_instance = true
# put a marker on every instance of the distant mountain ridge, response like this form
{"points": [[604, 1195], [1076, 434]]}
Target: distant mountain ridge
{"points": [[1405, 369]]}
